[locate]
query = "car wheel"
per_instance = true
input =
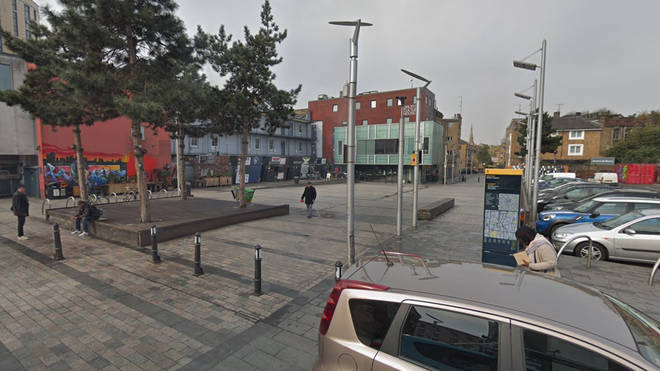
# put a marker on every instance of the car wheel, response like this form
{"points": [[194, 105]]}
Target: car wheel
{"points": [[582, 250], [554, 229]]}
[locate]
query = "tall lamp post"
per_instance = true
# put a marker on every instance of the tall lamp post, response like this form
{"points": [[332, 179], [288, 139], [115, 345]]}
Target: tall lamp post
{"points": [[417, 150], [350, 162], [539, 121], [399, 172], [529, 160]]}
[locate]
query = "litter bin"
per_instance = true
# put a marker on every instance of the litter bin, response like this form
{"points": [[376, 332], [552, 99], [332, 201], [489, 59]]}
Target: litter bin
{"points": [[249, 193], [296, 180]]}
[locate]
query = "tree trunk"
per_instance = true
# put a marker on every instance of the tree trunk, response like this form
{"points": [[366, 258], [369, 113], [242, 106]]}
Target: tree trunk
{"points": [[145, 214], [241, 171], [180, 167], [80, 163]]}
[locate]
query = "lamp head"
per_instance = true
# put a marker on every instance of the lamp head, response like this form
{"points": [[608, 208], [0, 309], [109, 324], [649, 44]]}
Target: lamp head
{"points": [[525, 65]]}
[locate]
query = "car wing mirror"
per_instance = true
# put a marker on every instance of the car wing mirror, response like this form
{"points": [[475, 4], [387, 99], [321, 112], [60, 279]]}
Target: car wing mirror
{"points": [[629, 231], [595, 214]]}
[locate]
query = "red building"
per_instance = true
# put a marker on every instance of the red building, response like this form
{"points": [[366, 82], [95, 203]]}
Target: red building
{"points": [[370, 108], [108, 150]]}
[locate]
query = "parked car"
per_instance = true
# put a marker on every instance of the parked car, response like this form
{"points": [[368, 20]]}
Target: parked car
{"points": [[634, 236], [575, 192], [599, 209], [415, 314], [606, 177], [567, 204], [566, 184], [555, 182]]}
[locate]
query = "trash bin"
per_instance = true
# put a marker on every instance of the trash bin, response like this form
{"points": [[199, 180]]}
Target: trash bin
{"points": [[249, 193], [296, 179]]}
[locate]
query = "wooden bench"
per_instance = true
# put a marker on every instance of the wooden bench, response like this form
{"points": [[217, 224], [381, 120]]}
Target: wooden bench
{"points": [[434, 209]]}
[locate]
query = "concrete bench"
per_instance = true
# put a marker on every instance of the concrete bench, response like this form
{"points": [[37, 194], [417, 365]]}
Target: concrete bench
{"points": [[430, 211]]}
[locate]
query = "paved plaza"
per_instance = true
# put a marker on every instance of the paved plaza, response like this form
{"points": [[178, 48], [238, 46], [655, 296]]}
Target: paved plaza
{"points": [[106, 306]]}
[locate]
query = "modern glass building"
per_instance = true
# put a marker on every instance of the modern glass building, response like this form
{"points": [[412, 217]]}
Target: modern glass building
{"points": [[378, 145]]}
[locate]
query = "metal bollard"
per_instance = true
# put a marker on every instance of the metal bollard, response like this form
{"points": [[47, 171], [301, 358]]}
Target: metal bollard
{"points": [[57, 240], [154, 245], [198, 255], [257, 270], [338, 266], [590, 254]]}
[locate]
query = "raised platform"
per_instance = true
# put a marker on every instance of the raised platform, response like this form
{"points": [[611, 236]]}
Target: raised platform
{"points": [[430, 211], [173, 217]]}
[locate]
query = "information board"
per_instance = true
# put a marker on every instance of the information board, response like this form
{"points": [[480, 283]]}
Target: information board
{"points": [[501, 215]]}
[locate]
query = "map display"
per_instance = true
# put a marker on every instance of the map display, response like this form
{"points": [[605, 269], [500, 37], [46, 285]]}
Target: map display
{"points": [[501, 216]]}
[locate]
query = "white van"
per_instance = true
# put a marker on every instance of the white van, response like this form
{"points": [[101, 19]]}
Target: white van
{"points": [[606, 178], [563, 175]]}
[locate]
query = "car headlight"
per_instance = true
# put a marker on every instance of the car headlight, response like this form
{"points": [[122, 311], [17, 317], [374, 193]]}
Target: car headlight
{"points": [[560, 235], [548, 217]]}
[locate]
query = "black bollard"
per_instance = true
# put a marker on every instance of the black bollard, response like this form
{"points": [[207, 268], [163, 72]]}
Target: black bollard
{"points": [[338, 266], [257, 270], [57, 240], [154, 245], [198, 255]]}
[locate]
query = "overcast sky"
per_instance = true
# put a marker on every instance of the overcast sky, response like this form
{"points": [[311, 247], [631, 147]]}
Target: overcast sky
{"points": [[601, 53]]}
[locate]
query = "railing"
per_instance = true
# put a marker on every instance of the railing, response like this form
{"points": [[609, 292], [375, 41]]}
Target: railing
{"points": [[43, 204], [70, 199], [590, 252], [655, 268]]}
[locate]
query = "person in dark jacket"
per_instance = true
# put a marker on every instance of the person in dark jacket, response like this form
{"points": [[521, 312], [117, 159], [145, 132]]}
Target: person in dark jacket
{"points": [[21, 208], [86, 213], [308, 196]]}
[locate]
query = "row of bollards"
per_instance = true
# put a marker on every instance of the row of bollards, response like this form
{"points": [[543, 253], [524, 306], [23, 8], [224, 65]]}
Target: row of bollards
{"points": [[155, 257]]}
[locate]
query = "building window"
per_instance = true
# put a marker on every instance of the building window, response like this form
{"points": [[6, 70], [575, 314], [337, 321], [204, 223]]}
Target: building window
{"points": [[373, 104], [365, 122], [576, 134], [214, 141], [257, 143], [271, 145], [425, 147], [414, 99], [449, 139], [142, 132], [6, 81], [390, 102], [300, 147], [194, 142], [616, 135], [340, 148], [406, 120], [386, 146], [15, 12], [426, 100], [389, 120], [335, 108], [575, 149], [300, 129], [28, 34], [357, 105], [344, 123]]}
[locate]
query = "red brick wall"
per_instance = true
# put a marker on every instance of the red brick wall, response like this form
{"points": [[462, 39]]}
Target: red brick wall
{"points": [[321, 110]]}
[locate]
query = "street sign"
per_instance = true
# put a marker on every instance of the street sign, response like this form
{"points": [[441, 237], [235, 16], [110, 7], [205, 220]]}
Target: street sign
{"points": [[602, 161], [413, 159], [409, 110]]}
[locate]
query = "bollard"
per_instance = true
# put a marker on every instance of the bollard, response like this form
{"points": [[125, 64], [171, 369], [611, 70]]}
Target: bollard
{"points": [[257, 270], [338, 266], [154, 245], [58, 243], [198, 256]]}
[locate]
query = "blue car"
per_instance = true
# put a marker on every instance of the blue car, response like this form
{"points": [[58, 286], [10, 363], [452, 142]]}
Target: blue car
{"points": [[598, 209]]}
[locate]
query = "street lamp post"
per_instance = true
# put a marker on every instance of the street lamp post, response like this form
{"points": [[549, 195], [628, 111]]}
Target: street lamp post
{"points": [[539, 122], [417, 149], [350, 137], [399, 173]]}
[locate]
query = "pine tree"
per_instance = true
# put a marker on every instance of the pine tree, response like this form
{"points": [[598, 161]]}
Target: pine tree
{"points": [[250, 95], [70, 86]]}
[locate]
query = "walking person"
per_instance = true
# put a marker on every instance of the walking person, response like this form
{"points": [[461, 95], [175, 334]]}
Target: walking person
{"points": [[21, 208], [541, 252], [308, 196], [86, 213]]}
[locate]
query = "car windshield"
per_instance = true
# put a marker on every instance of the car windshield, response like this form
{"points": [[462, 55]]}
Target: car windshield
{"points": [[645, 330], [619, 220], [585, 207]]}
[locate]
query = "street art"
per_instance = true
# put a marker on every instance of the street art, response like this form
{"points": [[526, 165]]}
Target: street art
{"points": [[97, 175]]}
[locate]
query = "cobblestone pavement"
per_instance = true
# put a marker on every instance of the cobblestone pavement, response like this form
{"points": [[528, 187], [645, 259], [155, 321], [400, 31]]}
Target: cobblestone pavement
{"points": [[108, 307]]}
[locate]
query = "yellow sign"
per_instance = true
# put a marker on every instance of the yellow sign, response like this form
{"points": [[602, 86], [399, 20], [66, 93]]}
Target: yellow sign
{"points": [[413, 159], [504, 172]]}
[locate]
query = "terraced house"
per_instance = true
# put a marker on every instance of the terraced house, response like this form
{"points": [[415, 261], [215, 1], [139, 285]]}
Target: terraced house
{"points": [[581, 138]]}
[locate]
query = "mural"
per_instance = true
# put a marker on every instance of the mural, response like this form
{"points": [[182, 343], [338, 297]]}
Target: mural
{"points": [[97, 175]]}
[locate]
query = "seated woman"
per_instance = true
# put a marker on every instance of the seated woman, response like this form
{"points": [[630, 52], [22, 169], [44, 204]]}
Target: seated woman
{"points": [[542, 254]]}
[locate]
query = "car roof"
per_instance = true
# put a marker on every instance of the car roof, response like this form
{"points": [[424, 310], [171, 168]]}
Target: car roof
{"points": [[522, 293], [650, 212], [627, 199]]}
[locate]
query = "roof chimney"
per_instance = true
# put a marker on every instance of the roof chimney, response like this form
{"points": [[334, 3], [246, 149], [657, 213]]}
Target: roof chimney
{"points": [[555, 115]]}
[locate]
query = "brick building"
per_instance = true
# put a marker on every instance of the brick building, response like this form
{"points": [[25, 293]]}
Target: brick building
{"points": [[511, 144], [581, 139], [371, 107]]}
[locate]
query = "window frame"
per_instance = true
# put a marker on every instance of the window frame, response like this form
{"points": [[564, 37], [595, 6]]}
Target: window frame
{"points": [[10, 76], [335, 108], [357, 105], [390, 102], [577, 137], [580, 146], [194, 144], [373, 104], [214, 141], [257, 143]]}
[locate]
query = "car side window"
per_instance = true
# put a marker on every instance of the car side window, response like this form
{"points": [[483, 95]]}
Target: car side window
{"points": [[440, 339], [648, 226], [644, 206], [612, 208], [371, 320], [577, 194], [545, 352]]}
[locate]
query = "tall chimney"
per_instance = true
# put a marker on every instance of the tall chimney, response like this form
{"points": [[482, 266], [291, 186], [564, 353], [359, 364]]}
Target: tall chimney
{"points": [[555, 115]]}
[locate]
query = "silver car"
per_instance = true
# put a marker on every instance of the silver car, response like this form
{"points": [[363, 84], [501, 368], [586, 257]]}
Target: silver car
{"points": [[407, 313], [634, 237]]}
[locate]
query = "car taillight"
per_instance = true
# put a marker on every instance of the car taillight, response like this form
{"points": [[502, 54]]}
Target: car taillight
{"points": [[331, 304]]}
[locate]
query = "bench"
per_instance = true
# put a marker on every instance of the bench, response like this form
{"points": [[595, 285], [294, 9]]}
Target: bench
{"points": [[430, 211]]}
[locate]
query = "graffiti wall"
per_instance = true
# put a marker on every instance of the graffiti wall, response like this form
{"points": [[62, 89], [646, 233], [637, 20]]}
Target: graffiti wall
{"points": [[108, 151]]}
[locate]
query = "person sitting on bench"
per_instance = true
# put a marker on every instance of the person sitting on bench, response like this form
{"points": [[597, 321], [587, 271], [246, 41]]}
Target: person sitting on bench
{"points": [[86, 213]]}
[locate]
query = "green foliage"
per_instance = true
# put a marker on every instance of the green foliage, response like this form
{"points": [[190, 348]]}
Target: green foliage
{"points": [[483, 155], [549, 143], [642, 145]]}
